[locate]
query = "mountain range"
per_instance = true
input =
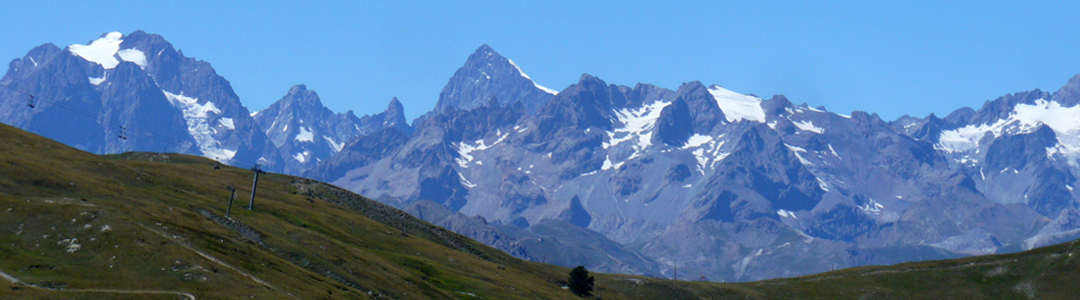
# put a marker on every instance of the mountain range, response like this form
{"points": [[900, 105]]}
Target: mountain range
{"points": [[639, 180]]}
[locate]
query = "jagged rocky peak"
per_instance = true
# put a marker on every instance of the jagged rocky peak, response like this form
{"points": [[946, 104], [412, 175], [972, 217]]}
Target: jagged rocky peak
{"points": [[487, 74], [1069, 95], [33, 60], [395, 112], [394, 117], [299, 94], [705, 111]]}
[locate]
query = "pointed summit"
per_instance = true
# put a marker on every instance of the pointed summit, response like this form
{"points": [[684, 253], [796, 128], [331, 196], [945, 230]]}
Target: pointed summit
{"points": [[395, 106], [394, 116], [487, 74], [483, 52], [1069, 95], [299, 88]]}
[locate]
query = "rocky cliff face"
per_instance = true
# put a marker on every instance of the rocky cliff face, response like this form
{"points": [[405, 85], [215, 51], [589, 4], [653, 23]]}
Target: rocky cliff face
{"points": [[302, 132], [129, 93], [731, 186]]}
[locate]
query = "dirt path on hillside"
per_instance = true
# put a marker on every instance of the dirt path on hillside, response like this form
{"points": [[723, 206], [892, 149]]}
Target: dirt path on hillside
{"points": [[16, 281]]}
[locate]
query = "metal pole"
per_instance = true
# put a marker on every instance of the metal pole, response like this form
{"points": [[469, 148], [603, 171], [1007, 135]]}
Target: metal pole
{"points": [[229, 210], [254, 185]]}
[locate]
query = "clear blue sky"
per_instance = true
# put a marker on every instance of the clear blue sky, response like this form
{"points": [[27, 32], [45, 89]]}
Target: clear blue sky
{"points": [[892, 58]]}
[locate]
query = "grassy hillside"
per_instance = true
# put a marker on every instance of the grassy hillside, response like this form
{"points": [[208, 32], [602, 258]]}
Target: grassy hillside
{"points": [[151, 226]]}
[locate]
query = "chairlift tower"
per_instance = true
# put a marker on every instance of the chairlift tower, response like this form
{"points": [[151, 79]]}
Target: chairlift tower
{"points": [[254, 185]]}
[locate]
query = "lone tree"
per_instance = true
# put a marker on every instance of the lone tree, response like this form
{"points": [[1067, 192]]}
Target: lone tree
{"points": [[580, 282]]}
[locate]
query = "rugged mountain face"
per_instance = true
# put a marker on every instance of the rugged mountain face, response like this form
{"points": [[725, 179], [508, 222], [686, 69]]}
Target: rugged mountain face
{"points": [[731, 186], [487, 75], [302, 132], [636, 179], [129, 93]]}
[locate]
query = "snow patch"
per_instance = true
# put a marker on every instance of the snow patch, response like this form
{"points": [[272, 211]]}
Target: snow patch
{"points": [[822, 185], [737, 106], [542, 88], [305, 135], [1025, 118], [466, 182], [466, 149], [334, 145], [786, 214], [797, 151], [300, 157], [808, 126], [696, 141], [872, 206], [227, 123], [133, 55], [708, 151], [636, 124], [101, 51], [609, 165], [833, 151], [97, 81], [198, 124]]}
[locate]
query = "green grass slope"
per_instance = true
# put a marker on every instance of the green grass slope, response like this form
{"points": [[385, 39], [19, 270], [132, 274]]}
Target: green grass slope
{"points": [[151, 222], [74, 225]]}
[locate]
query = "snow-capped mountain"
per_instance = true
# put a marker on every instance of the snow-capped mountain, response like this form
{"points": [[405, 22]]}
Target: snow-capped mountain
{"points": [[732, 186], [129, 93], [638, 179], [302, 132]]}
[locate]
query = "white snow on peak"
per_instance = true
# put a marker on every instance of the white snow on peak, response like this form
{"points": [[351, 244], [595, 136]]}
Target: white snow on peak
{"points": [[255, 113], [808, 126], [227, 123], [636, 124], [334, 145], [101, 51], [542, 88], [104, 51], [737, 106], [133, 55], [465, 149], [32, 60], [198, 124], [305, 135], [1025, 118]]}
